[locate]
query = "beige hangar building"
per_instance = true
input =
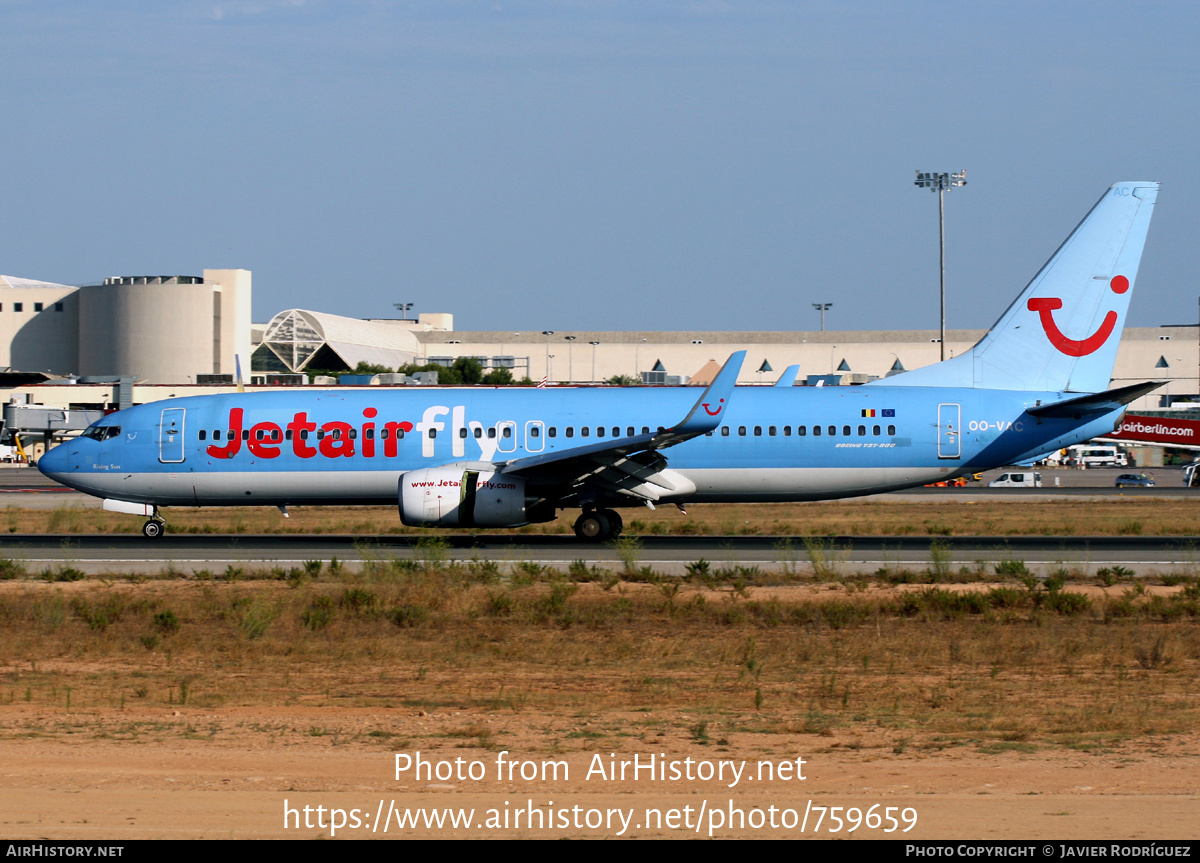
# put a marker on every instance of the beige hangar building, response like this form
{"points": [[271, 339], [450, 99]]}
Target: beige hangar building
{"points": [[172, 334], [159, 329]]}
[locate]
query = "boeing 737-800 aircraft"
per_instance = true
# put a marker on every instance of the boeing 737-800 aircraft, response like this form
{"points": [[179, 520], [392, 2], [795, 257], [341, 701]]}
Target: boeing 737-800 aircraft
{"points": [[506, 457]]}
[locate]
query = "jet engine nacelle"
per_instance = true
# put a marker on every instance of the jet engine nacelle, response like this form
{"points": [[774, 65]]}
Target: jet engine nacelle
{"points": [[462, 496]]}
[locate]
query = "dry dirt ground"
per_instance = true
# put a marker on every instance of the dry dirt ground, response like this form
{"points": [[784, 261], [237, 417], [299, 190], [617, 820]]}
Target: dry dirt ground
{"points": [[232, 772]]}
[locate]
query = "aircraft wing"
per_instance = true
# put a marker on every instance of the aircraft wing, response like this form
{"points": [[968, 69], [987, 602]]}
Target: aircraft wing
{"points": [[628, 463]]}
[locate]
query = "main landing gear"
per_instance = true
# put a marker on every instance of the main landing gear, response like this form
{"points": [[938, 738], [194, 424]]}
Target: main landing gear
{"points": [[154, 528], [599, 525]]}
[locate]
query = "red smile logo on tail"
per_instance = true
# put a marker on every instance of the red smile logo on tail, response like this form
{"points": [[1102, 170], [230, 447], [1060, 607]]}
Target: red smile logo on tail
{"points": [[1045, 307]]}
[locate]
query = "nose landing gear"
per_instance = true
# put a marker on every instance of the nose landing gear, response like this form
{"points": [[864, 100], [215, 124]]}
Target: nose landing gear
{"points": [[154, 528]]}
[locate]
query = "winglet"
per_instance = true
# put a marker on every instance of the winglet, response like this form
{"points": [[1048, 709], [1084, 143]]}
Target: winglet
{"points": [[706, 413], [788, 378]]}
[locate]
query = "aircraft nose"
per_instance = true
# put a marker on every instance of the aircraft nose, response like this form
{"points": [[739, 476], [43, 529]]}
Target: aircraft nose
{"points": [[56, 463]]}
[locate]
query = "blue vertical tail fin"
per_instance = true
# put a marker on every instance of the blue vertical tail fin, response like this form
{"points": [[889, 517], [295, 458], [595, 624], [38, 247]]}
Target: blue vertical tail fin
{"points": [[1062, 332]]}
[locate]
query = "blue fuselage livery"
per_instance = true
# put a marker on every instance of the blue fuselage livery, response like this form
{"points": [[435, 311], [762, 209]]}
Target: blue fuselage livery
{"points": [[504, 457]]}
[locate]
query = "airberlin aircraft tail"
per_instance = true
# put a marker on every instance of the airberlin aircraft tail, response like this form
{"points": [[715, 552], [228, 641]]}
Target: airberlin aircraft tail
{"points": [[1062, 333]]}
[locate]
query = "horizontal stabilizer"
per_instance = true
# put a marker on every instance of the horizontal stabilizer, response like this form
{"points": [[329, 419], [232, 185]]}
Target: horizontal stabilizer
{"points": [[1097, 403]]}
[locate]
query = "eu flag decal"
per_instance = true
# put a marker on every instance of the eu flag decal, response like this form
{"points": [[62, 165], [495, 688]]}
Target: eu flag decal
{"points": [[888, 412]]}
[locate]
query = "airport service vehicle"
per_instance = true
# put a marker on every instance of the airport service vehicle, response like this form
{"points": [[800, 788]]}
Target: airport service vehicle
{"points": [[1027, 479], [1134, 480], [1096, 455], [505, 457]]}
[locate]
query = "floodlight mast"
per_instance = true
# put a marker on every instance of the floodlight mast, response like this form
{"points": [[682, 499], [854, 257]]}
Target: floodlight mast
{"points": [[822, 308], [941, 183]]}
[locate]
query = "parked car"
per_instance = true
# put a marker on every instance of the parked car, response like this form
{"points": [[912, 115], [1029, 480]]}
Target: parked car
{"points": [[1134, 480]]}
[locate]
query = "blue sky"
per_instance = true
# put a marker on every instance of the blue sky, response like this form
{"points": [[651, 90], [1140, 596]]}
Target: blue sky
{"points": [[596, 165]]}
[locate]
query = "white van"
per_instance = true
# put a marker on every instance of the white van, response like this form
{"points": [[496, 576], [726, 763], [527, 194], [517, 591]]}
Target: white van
{"points": [[1026, 479]]}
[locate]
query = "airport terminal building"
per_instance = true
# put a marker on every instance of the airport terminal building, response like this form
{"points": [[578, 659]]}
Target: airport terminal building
{"points": [[156, 337]]}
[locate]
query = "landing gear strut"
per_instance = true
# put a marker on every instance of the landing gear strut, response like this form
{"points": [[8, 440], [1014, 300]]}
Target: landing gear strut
{"points": [[599, 525]]}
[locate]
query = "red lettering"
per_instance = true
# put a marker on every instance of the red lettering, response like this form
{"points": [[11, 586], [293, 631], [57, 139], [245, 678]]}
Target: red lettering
{"points": [[260, 448], [334, 445], [230, 449], [390, 449], [368, 434], [297, 426]]}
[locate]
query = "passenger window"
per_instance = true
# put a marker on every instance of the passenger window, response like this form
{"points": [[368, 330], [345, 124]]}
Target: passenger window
{"points": [[584, 431], [399, 434], [645, 429], [787, 431], [599, 431], [570, 431], [758, 431], [304, 434], [462, 432], [741, 431], [817, 431], [892, 430], [203, 434], [801, 431], [287, 434], [724, 431], [245, 434], [862, 431], [534, 431], [492, 432], [353, 434], [845, 431], [432, 434], [832, 430], [478, 432], [771, 431], [875, 430], [320, 434], [508, 431], [383, 434], [552, 431], [370, 434], [258, 434], [629, 432]]}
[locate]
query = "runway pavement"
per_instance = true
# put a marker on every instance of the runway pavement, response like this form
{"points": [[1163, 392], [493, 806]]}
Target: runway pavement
{"points": [[668, 555]]}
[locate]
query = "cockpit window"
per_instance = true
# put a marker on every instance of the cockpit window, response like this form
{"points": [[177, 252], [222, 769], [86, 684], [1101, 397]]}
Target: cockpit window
{"points": [[101, 432]]}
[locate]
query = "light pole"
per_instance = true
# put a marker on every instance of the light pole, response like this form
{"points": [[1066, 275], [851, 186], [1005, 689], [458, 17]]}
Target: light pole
{"points": [[547, 334], [403, 308], [570, 359], [593, 344], [637, 361], [940, 183], [822, 308]]}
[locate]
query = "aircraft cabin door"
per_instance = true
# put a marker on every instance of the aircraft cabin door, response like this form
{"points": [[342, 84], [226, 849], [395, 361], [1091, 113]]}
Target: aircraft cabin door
{"points": [[949, 428], [170, 436]]}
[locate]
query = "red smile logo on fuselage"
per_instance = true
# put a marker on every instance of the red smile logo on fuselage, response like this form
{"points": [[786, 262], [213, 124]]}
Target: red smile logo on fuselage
{"points": [[1045, 307]]}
